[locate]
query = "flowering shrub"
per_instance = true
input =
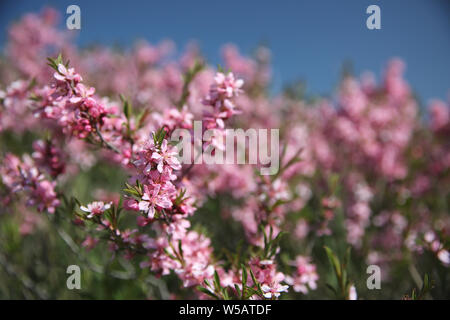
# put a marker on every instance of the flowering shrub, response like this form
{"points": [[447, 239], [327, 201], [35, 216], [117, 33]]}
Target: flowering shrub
{"points": [[89, 176]]}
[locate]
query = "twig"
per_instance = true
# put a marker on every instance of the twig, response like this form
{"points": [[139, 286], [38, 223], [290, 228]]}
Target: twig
{"points": [[188, 77], [94, 267], [106, 143]]}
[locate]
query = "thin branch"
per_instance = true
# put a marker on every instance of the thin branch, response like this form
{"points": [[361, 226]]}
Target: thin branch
{"points": [[106, 143], [94, 267]]}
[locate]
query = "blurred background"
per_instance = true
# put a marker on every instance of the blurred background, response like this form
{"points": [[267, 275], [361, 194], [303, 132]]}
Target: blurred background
{"points": [[308, 39]]}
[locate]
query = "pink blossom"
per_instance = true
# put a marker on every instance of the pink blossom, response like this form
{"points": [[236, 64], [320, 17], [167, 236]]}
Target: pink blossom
{"points": [[305, 277], [273, 291], [96, 208], [166, 157], [65, 74], [154, 197], [89, 243]]}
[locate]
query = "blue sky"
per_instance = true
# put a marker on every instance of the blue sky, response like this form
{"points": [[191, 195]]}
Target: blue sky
{"points": [[309, 40]]}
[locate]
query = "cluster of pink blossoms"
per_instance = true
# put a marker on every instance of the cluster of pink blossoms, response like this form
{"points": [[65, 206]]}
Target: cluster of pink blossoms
{"points": [[24, 176], [155, 164], [305, 278], [15, 105], [49, 156], [175, 248], [267, 275], [72, 104], [192, 263], [220, 100], [163, 204]]}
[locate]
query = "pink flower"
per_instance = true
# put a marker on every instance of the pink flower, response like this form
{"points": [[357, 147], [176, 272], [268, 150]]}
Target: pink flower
{"points": [[305, 276], [48, 156], [266, 274], [83, 93], [227, 85], [220, 97], [131, 204], [65, 74], [166, 157], [197, 259], [444, 256], [173, 118], [440, 115], [24, 176], [273, 291], [89, 243], [96, 208], [352, 294], [154, 196], [45, 197]]}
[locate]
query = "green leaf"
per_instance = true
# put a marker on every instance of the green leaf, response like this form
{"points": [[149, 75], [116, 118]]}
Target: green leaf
{"points": [[188, 77], [158, 136], [217, 281], [266, 242], [244, 279], [180, 249], [257, 284], [251, 292], [142, 117], [127, 108], [206, 291], [55, 62], [169, 254], [32, 84], [236, 287], [244, 275], [334, 261], [120, 202], [132, 192]]}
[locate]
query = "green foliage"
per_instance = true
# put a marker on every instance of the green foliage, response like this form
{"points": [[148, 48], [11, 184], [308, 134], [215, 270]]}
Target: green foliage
{"points": [[54, 62], [427, 285], [158, 137], [187, 79], [341, 291]]}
